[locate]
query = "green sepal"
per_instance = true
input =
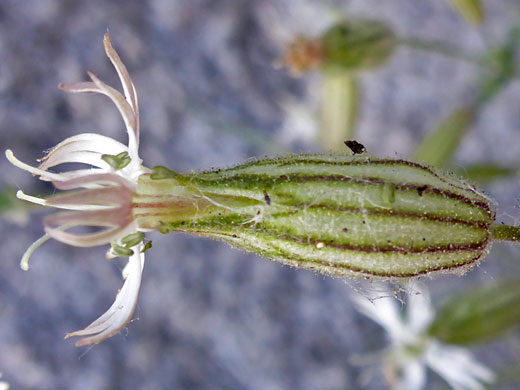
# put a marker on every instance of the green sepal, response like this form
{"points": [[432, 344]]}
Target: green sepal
{"points": [[160, 173], [147, 246], [118, 161], [479, 314], [121, 250], [132, 239]]}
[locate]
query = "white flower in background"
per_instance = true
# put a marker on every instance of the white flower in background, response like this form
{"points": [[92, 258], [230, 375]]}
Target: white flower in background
{"points": [[4, 385], [412, 350], [102, 197]]}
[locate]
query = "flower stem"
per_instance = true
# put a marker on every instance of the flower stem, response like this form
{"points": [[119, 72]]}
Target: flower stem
{"points": [[506, 232], [440, 48]]}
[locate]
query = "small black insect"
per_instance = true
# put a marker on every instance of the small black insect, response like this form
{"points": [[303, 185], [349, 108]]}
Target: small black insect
{"points": [[355, 146], [267, 198]]}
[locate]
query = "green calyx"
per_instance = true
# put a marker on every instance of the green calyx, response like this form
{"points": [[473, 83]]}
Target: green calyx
{"points": [[336, 214]]}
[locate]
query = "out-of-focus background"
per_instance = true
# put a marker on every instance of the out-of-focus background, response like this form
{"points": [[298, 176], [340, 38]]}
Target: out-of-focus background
{"points": [[211, 317]]}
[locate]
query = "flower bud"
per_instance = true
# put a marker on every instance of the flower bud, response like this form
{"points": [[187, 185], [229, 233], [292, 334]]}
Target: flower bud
{"points": [[350, 45], [357, 44], [336, 214]]}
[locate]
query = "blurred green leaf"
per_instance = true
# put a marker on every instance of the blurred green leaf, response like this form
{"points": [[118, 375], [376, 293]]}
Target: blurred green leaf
{"points": [[13, 209], [339, 109], [471, 10], [7, 200], [502, 62], [479, 314], [485, 173], [440, 145]]}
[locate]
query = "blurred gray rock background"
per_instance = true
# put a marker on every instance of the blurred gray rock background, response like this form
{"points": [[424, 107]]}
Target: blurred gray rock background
{"points": [[210, 317]]}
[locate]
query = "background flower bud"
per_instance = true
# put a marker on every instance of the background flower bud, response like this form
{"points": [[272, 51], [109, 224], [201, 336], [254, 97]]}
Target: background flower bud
{"points": [[357, 44]]}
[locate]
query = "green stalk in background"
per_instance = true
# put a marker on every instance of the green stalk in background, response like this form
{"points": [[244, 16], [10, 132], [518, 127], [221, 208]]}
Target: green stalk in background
{"points": [[439, 147], [339, 109]]}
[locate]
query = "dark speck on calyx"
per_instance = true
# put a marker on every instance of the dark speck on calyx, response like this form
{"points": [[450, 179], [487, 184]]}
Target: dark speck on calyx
{"points": [[355, 146], [267, 198], [421, 189]]}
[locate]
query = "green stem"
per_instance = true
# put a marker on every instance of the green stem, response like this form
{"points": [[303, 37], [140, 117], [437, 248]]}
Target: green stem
{"points": [[506, 232]]}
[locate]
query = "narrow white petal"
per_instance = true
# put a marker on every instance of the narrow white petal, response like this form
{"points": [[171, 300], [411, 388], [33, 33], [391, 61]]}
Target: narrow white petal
{"points": [[24, 263], [28, 198], [420, 312], [128, 89], [35, 171], [81, 87], [66, 176], [121, 311], [122, 105], [43, 202], [122, 72], [413, 376], [93, 142], [82, 157], [382, 308], [86, 148], [457, 366]]}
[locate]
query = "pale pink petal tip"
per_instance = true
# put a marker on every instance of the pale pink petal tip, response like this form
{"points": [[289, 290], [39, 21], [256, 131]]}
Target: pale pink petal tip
{"points": [[121, 311]]}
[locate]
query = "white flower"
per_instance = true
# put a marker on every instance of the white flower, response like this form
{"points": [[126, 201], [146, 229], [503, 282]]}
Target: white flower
{"points": [[412, 350], [102, 197], [4, 385]]}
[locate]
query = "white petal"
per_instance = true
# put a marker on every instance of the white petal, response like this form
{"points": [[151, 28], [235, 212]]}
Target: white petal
{"points": [[66, 176], [120, 313], [24, 263], [383, 309], [83, 157], [84, 148], [81, 87], [35, 171], [43, 202], [420, 312], [413, 376], [122, 105], [457, 366], [122, 72]]}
